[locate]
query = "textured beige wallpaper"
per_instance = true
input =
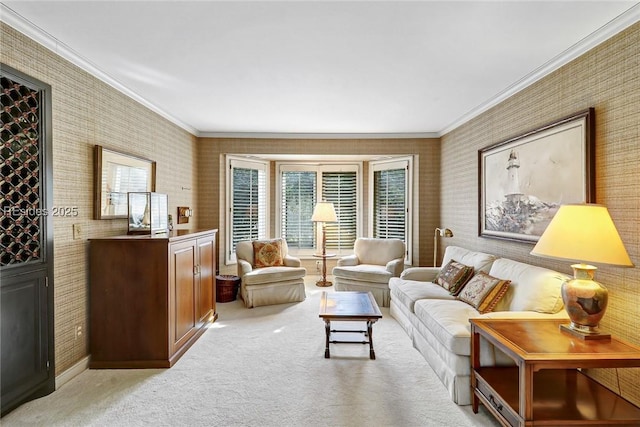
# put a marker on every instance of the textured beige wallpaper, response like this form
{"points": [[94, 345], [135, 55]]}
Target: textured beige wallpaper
{"points": [[87, 112], [608, 79], [426, 152], [191, 171]]}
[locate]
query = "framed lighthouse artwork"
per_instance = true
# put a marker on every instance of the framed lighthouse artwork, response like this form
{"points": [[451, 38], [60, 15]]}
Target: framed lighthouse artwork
{"points": [[524, 180]]}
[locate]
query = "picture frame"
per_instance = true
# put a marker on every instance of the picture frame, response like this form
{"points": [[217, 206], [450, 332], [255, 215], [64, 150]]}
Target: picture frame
{"points": [[524, 180], [115, 175]]}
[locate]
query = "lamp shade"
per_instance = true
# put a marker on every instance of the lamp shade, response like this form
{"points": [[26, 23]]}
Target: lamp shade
{"points": [[324, 212], [583, 233]]}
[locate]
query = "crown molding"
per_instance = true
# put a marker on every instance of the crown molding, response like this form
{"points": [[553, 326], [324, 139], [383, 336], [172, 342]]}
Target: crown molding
{"points": [[19, 23], [613, 27], [292, 135]]}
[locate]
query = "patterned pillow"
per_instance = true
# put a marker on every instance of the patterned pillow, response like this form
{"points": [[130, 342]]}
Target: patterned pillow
{"points": [[267, 253], [454, 276], [483, 292]]}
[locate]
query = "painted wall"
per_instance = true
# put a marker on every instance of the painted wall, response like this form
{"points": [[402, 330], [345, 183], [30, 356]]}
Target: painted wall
{"points": [[87, 112], [608, 79]]}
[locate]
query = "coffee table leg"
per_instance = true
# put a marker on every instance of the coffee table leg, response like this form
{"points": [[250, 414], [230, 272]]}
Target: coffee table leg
{"points": [[372, 354], [327, 328]]}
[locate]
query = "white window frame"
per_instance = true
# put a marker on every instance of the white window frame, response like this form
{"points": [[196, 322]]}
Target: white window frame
{"points": [[389, 164], [319, 168], [240, 162]]}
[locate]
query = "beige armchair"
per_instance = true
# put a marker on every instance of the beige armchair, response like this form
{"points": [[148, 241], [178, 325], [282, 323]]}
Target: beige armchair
{"points": [[269, 275], [373, 263]]}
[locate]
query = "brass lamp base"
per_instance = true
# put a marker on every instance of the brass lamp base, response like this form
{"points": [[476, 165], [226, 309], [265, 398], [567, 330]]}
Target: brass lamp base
{"points": [[585, 332], [324, 283]]}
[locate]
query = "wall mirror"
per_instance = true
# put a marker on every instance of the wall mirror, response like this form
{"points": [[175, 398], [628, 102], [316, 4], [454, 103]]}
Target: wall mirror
{"points": [[115, 175]]}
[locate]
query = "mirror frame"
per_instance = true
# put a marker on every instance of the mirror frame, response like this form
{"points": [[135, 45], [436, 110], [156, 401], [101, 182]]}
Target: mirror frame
{"points": [[102, 159]]}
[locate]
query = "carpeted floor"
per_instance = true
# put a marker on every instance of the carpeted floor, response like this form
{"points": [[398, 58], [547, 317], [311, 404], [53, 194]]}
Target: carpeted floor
{"points": [[263, 367]]}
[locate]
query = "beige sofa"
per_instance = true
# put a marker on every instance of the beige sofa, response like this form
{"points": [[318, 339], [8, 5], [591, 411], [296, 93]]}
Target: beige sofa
{"points": [[438, 323], [373, 263]]}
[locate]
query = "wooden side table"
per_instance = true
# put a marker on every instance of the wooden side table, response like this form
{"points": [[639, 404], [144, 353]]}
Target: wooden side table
{"points": [[323, 281], [549, 360]]}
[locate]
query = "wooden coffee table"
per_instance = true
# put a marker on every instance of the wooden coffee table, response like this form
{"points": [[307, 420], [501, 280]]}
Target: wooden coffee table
{"points": [[349, 306]]}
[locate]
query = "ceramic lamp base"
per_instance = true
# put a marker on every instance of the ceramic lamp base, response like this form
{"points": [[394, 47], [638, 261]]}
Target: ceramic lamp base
{"points": [[585, 301]]}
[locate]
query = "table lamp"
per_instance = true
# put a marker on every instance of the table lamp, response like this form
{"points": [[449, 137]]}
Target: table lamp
{"points": [[583, 233], [324, 212], [442, 232]]}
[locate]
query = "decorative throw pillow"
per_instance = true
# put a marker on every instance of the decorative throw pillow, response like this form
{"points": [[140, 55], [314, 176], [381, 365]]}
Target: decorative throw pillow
{"points": [[453, 276], [483, 292], [267, 253]]}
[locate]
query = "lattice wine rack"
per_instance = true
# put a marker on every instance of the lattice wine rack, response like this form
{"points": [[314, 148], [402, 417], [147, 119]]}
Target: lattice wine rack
{"points": [[20, 160]]}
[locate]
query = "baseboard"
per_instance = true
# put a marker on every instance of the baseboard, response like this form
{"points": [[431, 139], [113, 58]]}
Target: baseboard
{"points": [[72, 372]]}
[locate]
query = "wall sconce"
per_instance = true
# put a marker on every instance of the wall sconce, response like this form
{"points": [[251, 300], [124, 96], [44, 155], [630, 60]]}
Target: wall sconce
{"points": [[184, 213], [442, 232]]}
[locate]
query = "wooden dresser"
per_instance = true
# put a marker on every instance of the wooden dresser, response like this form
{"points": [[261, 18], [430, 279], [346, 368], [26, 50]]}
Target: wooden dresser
{"points": [[151, 297]]}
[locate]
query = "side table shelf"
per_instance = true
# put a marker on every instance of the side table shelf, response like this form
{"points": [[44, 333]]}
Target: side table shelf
{"points": [[547, 387]]}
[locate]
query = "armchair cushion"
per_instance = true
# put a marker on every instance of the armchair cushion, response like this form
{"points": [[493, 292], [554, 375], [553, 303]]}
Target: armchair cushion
{"points": [[267, 253], [364, 273]]}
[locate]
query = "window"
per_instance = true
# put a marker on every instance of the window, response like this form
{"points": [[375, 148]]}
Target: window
{"points": [[301, 186], [390, 201], [340, 188], [298, 200], [247, 202]]}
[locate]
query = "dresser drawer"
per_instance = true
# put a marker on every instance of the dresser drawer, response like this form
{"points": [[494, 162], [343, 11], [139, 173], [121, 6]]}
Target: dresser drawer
{"points": [[495, 402]]}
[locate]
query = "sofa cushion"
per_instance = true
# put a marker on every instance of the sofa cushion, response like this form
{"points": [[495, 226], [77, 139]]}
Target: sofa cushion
{"points": [[267, 253], [483, 291], [480, 261], [532, 288], [448, 321], [407, 292], [364, 272], [454, 276]]}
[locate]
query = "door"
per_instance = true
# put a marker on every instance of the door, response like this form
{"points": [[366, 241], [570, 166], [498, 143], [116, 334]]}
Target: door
{"points": [[207, 272], [26, 241], [183, 293]]}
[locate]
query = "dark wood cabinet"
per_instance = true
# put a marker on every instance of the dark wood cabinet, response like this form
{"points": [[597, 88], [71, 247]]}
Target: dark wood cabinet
{"points": [[151, 297]]}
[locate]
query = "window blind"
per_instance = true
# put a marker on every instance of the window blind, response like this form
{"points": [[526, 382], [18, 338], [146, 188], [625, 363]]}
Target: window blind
{"points": [[389, 204], [298, 200], [340, 188], [249, 210]]}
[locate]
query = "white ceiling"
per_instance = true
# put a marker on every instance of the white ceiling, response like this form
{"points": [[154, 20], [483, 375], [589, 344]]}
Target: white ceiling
{"points": [[320, 67]]}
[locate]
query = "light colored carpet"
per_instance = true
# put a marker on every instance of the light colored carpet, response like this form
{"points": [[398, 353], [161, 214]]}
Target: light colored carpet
{"points": [[263, 367]]}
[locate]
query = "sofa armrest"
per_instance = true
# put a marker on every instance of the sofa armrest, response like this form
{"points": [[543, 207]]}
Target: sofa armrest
{"points": [[395, 267], [349, 260], [244, 267], [291, 261], [420, 274]]}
